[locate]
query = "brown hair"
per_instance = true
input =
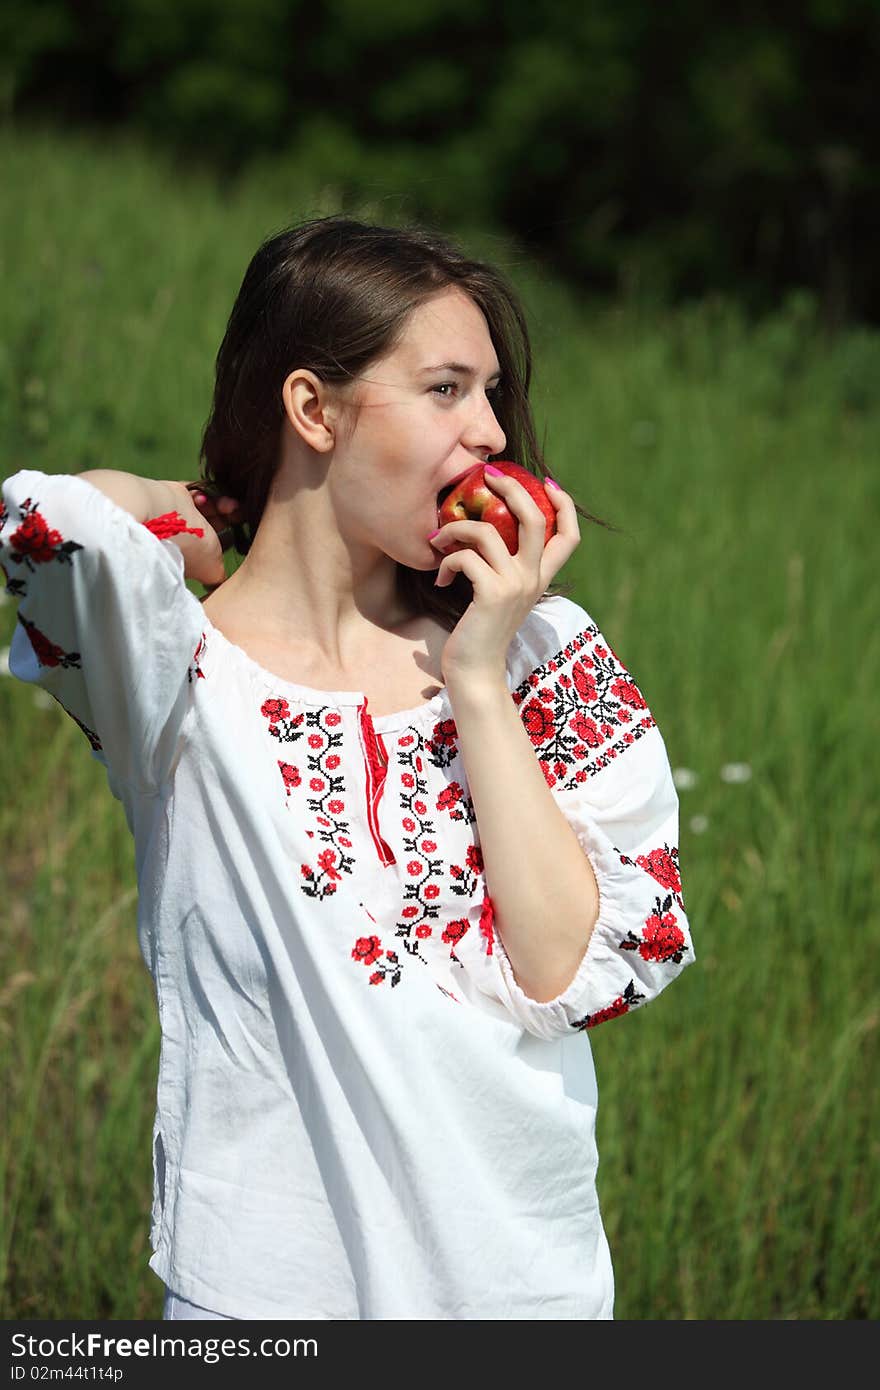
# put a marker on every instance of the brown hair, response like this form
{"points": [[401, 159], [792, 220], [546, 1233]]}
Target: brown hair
{"points": [[333, 295]]}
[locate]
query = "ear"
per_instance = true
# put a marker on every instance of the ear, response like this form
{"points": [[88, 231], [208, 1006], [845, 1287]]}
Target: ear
{"points": [[311, 409]]}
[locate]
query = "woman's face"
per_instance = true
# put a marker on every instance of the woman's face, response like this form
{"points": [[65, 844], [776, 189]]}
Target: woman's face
{"points": [[423, 421]]}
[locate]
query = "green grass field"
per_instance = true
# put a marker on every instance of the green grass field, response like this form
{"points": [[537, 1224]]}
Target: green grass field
{"points": [[738, 1137]]}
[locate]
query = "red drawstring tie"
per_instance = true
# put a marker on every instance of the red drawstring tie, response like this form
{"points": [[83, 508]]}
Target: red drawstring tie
{"points": [[171, 524]]}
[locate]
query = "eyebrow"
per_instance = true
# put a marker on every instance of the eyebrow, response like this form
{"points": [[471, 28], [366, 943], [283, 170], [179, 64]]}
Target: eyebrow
{"points": [[460, 367]]}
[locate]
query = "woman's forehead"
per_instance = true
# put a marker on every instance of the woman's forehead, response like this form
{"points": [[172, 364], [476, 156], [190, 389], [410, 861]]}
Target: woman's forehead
{"points": [[448, 328]]}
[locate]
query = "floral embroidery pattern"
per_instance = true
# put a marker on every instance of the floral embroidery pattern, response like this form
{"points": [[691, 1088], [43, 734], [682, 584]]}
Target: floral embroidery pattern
{"points": [[581, 709], [368, 950], [426, 874], [281, 725], [442, 746], [457, 806], [421, 862], [662, 864], [621, 1005], [662, 938], [290, 776], [466, 876], [34, 542], [322, 732], [47, 653]]}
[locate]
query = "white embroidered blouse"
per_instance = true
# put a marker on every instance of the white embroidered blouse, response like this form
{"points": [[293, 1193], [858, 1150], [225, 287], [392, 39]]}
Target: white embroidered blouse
{"points": [[360, 1114]]}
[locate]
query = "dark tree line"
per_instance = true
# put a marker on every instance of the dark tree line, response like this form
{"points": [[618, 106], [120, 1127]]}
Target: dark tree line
{"points": [[660, 146]]}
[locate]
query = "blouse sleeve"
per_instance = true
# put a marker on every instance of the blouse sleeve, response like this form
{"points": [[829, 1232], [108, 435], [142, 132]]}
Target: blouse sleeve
{"points": [[106, 623], [605, 762]]}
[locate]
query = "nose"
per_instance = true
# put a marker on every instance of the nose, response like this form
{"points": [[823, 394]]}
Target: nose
{"points": [[484, 432]]}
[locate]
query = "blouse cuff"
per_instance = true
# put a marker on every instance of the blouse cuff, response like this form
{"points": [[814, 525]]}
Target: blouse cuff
{"points": [[595, 984]]}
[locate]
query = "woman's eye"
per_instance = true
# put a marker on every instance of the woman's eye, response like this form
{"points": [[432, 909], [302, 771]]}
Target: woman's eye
{"points": [[492, 392]]}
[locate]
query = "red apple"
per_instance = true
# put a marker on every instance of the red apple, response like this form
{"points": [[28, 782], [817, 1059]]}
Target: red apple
{"points": [[471, 499]]}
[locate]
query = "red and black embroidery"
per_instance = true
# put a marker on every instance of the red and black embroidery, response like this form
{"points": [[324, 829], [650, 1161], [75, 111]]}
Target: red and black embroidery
{"points": [[423, 864], [34, 542], [452, 933], [47, 652], [285, 727], [581, 709], [621, 1005], [466, 876], [289, 775], [662, 864], [194, 666], [662, 939], [15, 587], [368, 950], [322, 731], [455, 804], [427, 876], [442, 746]]}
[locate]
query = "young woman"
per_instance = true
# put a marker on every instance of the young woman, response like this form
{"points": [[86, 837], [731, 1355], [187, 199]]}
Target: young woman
{"points": [[405, 826]]}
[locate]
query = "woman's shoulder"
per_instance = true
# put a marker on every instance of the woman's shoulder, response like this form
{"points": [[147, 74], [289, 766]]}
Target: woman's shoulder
{"points": [[553, 625]]}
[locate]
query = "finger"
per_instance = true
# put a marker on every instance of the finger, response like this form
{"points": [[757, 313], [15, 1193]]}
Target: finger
{"points": [[566, 512], [532, 521], [517, 497], [466, 562], [481, 535], [218, 512], [216, 507], [562, 545]]}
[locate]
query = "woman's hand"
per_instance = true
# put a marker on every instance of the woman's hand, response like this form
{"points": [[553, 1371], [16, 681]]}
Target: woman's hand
{"points": [[219, 511], [506, 587]]}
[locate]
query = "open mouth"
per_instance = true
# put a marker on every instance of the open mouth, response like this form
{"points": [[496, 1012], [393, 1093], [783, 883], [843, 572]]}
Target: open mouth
{"points": [[444, 492]]}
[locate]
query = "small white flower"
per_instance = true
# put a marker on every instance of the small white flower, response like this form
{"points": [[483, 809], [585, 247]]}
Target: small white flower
{"points": [[736, 772], [4, 661], [699, 823], [43, 700], [684, 778]]}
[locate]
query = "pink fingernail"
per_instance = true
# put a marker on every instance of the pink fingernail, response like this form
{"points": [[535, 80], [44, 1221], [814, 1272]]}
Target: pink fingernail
{"points": [[199, 497], [434, 533], [551, 482], [493, 471]]}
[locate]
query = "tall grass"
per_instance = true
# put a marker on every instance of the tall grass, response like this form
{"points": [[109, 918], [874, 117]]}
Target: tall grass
{"points": [[737, 1125]]}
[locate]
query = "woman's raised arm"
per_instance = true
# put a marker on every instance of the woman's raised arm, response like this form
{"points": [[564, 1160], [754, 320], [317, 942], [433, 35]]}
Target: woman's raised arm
{"points": [[106, 623]]}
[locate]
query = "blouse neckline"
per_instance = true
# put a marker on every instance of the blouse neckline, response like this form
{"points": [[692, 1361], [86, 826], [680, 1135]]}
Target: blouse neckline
{"points": [[429, 710]]}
